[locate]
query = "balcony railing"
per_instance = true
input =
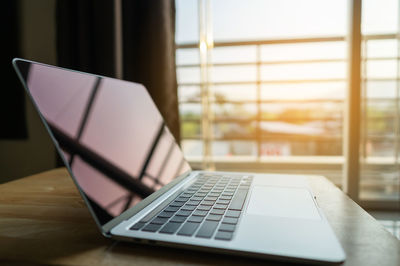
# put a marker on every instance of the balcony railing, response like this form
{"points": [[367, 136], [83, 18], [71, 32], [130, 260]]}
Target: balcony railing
{"points": [[384, 118]]}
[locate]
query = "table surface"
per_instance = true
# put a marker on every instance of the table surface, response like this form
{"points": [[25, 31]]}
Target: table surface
{"points": [[43, 220]]}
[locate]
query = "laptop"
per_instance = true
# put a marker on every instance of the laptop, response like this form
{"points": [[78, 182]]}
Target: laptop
{"points": [[138, 186]]}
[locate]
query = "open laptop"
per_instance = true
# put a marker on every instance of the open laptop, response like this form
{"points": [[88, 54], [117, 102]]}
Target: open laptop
{"points": [[137, 185]]}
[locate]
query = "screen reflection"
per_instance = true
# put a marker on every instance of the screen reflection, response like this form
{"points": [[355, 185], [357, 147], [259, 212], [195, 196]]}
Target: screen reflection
{"points": [[110, 133]]}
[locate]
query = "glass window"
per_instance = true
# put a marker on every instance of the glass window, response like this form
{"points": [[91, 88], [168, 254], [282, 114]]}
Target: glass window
{"points": [[276, 84]]}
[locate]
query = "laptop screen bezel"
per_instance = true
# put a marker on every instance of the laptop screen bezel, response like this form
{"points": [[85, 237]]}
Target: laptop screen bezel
{"points": [[21, 67]]}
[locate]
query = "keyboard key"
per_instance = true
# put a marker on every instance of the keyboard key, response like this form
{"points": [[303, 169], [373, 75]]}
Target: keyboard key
{"points": [[188, 229], [193, 202], [183, 213], [238, 200], [207, 229], [188, 208], [214, 217], [225, 197], [165, 214], [217, 211], [230, 220], [159, 220], [222, 235], [200, 213], [196, 219], [223, 201], [231, 213], [178, 219], [208, 202], [227, 227], [177, 204], [182, 199], [220, 206], [171, 209], [137, 226], [151, 227], [211, 198], [204, 208], [197, 198], [170, 228]]}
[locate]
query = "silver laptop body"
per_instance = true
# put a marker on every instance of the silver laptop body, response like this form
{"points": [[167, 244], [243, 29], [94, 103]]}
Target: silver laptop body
{"points": [[138, 186]]}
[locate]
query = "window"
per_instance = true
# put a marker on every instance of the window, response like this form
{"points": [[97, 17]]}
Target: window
{"points": [[380, 138], [262, 87]]}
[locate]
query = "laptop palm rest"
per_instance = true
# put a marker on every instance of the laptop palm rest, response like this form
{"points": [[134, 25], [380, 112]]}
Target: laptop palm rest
{"points": [[282, 202]]}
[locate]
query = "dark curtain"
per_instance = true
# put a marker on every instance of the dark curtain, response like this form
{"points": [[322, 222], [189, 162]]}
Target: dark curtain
{"points": [[85, 36], [85, 41], [149, 53], [12, 101]]}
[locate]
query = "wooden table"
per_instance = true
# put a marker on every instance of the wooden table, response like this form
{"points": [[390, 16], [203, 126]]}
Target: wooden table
{"points": [[43, 220]]}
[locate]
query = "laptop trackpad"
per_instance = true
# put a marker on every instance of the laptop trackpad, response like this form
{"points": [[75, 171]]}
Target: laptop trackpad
{"points": [[282, 202]]}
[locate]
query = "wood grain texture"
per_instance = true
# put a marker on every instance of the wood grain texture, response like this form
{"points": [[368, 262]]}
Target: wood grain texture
{"points": [[43, 220]]}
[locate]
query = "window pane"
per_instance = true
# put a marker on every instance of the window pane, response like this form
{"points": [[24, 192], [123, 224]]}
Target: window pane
{"points": [[381, 69], [189, 93], [234, 130], [380, 180], [301, 51], [266, 19], [380, 108], [379, 170], [314, 71], [276, 148], [187, 56], [190, 129], [235, 92], [233, 73], [379, 16], [292, 146], [187, 21], [380, 147], [381, 126], [192, 147], [381, 89], [381, 48], [190, 111], [234, 148], [304, 91], [234, 111], [301, 112], [188, 75], [234, 54]]}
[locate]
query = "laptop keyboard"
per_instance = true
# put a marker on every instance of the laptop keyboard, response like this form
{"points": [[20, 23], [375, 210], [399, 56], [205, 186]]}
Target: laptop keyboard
{"points": [[209, 208]]}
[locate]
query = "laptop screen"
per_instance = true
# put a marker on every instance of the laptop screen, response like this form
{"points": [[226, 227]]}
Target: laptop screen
{"points": [[109, 132]]}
